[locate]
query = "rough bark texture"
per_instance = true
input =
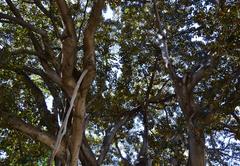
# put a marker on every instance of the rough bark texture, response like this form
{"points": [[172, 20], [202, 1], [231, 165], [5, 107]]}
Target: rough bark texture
{"points": [[69, 47], [89, 64], [77, 133], [196, 146]]}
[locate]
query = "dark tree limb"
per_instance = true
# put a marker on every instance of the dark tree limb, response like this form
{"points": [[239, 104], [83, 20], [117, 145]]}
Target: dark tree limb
{"points": [[164, 47], [69, 47], [19, 20], [143, 156], [199, 75], [24, 24], [84, 18], [49, 119], [39, 50], [236, 118], [143, 153], [44, 61], [50, 16], [30, 130], [66, 17], [86, 155], [108, 138], [125, 161]]}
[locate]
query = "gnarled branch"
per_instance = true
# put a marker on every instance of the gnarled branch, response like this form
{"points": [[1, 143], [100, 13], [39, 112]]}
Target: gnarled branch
{"points": [[30, 130]]}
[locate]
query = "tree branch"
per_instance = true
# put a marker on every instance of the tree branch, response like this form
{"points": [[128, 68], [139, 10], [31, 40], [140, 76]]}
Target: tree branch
{"points": [[124, 160], [69, 46], [236, 118], [18, 19], [22, 23], [30, 130], [63, 128], [204, 70], [86, 155], [161, 99], [89, 61], [48, 118], [49, 15], [66, 17], [164, 46], [89, 64], [199, 75], [40, 54], [143, 153], [57, 103], [39, 50], [84, 17], [108, 138]]}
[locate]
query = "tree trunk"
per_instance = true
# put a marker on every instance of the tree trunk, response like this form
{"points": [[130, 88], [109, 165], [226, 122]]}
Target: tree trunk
{"points": [[196, 146], [78, 128]]}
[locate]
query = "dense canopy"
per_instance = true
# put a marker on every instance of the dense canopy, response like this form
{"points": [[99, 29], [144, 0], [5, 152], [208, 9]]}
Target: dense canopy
{"points": [[120, 82]]}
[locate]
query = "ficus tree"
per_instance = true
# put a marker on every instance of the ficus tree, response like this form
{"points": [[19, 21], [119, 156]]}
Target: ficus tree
{"points": [[50, 46], [157, 83]]}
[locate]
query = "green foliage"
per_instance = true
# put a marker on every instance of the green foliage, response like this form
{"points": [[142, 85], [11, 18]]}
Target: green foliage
{"points": [[21, 150], [128, 57]]}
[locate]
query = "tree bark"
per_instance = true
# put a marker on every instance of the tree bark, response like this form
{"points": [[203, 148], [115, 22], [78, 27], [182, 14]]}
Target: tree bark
{"points": [[191, 111], [78, 127], [89, 64], [196, 146], [86, 155], [35, 133]]}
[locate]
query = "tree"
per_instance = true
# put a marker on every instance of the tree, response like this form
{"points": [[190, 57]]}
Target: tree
{"points": [[44, 33], [152, 82], [195, 115]]}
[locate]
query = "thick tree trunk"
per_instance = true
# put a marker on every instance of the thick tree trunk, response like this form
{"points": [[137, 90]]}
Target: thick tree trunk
{"points": [[78, 128], [196, 146], [191, 111]]}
